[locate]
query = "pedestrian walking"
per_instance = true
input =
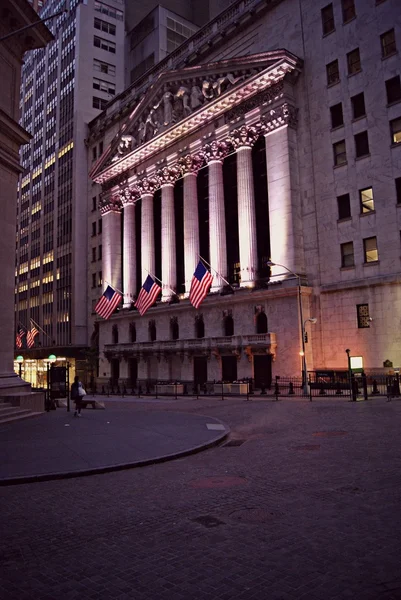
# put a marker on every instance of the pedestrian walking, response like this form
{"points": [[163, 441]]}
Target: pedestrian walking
{"points": [[77, 393]]}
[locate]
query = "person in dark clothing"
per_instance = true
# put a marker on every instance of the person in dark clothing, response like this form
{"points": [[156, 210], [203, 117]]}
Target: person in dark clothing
{"points": [[76, 396]]}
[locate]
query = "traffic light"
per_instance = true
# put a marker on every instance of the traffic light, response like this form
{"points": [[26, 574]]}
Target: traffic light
{"points": [[306, 337]]}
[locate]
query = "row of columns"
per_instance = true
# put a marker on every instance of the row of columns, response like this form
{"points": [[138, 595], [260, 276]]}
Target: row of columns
{"points": [[283, 209]]}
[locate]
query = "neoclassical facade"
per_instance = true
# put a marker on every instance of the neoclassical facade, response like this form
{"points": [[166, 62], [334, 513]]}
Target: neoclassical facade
{"points": [[281, 169]]}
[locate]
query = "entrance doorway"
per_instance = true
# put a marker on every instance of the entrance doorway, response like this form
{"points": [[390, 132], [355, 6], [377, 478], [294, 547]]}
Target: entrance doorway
{"points": [[262, 370], [133, 371], [229, 368], [200, 369], [115, 370]]}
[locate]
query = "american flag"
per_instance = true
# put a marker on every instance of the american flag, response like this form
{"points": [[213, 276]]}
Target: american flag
{"points": [[147, 296], [200, 284], [30, 336], [18, 337], [108, 302]]}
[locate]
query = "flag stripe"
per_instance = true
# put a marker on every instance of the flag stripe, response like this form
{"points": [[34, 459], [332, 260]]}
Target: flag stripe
{"points": [[147, 296], [200, 284], [107, 303]]}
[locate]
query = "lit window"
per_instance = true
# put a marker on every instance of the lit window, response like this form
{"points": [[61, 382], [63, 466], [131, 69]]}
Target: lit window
{"points": [[370, 250], [344, 206], [361, 144], [358, 106], [387, 41], [333, 74], [340, 155], [395, 127], [362, 311], [354, 61], [348, 10], [328, 19], [347, 254], [366, 200]]}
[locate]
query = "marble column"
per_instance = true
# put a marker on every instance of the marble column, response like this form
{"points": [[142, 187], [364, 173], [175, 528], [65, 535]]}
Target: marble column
{"points": [[190, 166], [243, 140], [110, 209], [147, 188], [285, 216], [167, 177], [215, 152], [128, 199]]}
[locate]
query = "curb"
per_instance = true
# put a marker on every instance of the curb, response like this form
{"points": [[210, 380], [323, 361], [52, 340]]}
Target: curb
{"points": [[111, 468]]}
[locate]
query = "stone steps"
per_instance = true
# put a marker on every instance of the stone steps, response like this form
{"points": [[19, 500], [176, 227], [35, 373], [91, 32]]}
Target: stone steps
{"points": [[9, 413]]}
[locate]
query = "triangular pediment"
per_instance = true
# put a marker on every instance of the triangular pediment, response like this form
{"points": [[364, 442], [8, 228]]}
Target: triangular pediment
{"points": [[179, 100]]}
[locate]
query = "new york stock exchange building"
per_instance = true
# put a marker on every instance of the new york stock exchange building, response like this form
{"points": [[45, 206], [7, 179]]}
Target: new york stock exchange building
{"points": [[224, 153]]}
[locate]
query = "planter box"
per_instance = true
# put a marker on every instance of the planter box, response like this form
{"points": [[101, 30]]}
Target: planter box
{"points": [[170, 389], [231, 388]]}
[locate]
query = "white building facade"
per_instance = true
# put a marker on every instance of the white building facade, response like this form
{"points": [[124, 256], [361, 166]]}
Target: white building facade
{"points": [[272, 136]]}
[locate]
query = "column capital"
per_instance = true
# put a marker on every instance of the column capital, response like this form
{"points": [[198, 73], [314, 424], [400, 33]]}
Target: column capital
{"points": [[128, 195], [216, 151], [244, 136], [168, 175], [191, 163], [286, 114], [147, 185], [109, 202]]}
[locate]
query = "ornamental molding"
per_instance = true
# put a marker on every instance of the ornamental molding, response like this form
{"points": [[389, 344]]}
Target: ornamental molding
{"points": [[168, 175], [286, 114], [216, 150], [191, 163], [109, 202], [147, 185], [180, 103], [244, 136]]}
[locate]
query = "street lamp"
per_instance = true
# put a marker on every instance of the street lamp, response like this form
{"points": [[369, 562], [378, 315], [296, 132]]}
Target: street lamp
{"points": [[270, 263], [20, 360], [304, 369]]}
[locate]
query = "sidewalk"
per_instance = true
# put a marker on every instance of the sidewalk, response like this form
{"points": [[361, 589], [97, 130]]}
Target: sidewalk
{"points": [[57, 445]]}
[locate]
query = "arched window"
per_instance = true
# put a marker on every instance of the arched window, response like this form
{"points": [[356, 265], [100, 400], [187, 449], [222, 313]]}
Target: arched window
{"points": [[114, 335], [261, 323], [199, 327], [152, 331], [174, 328], [228, 325], [132, 332]]}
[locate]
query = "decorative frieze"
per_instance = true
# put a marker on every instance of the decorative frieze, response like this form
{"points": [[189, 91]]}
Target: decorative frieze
{"points": [[271, 94]]}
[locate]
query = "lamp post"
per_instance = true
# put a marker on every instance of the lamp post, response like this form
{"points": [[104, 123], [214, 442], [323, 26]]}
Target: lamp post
{"points": [[301, 323], [20, 360], [304, 368]]}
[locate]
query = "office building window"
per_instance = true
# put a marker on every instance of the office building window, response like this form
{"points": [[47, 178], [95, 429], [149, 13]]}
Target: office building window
{"points": [[347, 254], [349, 12], [353, 61], [358, 106], [104, 86], [366, 200], [105, 26], [100, 279], [93, 254], [387, 41], [103, 67], [109, 11], [100, 226], [370, 250], [100, 103], [395, 128], [99, 42], [94, 203], [398, 189], [393, 89], [333, 74], [340, 155], [361, 144], [93, 280], [99, 255], [344, 206], [336, 113], [100, 148], [93, 228], [362, 311], [328, 19], [94, 153]]}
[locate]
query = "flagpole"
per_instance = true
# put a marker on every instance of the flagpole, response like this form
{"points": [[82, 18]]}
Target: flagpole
{"points": [[39, 327], [160, 281], [23, 326], [217, 273]]}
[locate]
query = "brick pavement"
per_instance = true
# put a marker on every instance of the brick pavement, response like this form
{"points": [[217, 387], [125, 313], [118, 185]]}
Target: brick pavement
{"points": [[308, 507]]}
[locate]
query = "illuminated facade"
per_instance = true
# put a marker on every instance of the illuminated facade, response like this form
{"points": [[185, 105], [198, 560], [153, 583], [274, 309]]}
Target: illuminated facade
{"points": [[242, 153]]}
